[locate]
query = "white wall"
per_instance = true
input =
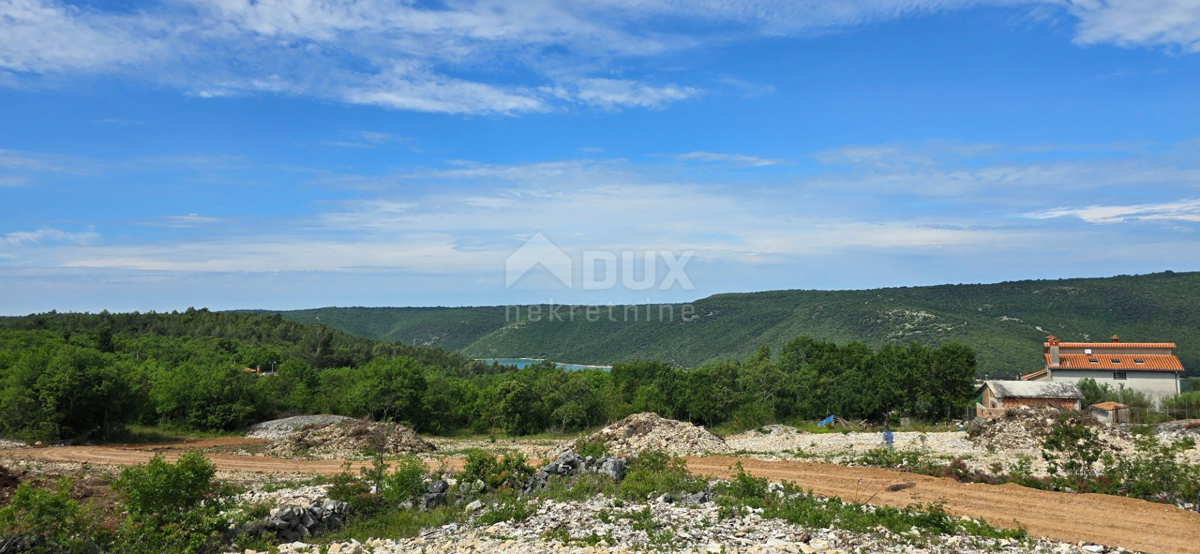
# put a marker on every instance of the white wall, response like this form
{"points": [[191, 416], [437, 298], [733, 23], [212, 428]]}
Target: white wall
{"points": [[1157, 384]]}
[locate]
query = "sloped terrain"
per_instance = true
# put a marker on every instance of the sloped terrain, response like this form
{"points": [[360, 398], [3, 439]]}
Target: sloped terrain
{"points": [[1005, 322]]}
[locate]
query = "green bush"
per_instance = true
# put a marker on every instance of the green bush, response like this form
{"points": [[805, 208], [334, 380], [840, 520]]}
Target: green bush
{"points": [[1155, 472], [355, 491], [172, 507], [594, 448], [52, 519], [507, 472], [406, 482], [656, 473], [1071, 448], [510, 508]]}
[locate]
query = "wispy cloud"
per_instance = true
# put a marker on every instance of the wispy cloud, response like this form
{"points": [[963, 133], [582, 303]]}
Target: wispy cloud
{"points": [[1170, 23], [735, 159], [1179, 211], [408, 56], [46, 235], [186, 221], [13, 181]]}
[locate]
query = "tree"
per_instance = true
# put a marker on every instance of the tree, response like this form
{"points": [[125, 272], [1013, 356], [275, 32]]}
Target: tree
{"points": [[391, 389], [518, 408], [64, 393]]}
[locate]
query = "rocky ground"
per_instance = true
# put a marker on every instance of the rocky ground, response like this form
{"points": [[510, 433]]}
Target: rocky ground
{"points": [[647, 431], [602, 525]]}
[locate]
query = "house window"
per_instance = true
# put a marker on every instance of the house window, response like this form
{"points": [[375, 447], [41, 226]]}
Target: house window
{"points": [[1119, 376], [1116, 361], [1093, 360], [1139, 361]]}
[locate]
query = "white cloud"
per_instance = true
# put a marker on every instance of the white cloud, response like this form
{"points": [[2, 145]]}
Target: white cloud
{"points": [[1182, 210], [186, 221], [1174, 23], [13, 181], [40, 236], [46, 36], [735, 159], [10, 159], [402, 55], [620, 93]]}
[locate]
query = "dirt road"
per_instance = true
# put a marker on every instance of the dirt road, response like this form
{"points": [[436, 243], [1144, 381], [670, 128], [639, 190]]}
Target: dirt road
{"points": [[1109, 520]]}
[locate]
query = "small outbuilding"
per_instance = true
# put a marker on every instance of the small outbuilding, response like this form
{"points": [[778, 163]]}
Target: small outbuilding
{"points": [[1112, 413], [998, 397]]}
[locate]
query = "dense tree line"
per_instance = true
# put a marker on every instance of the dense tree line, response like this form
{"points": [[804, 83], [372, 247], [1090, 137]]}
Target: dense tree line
{"points": [[87, 377]]}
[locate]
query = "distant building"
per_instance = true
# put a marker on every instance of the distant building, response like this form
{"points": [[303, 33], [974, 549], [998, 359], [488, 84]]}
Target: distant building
{"points": [[1149, 367], [999, 396], [1111, 413]]}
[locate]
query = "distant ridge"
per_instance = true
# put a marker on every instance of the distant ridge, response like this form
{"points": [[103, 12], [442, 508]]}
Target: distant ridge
{"points": [[1004, 322]]}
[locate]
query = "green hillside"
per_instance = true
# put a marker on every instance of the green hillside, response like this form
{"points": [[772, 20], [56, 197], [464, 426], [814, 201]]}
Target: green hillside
{"points": [[1004, 322]]}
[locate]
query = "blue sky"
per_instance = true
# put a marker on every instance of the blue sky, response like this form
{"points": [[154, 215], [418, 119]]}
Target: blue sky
{"points": [[303, 153]]}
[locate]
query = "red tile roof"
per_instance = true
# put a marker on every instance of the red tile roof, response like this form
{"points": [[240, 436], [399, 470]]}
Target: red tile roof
{"points": [[1033, 375], [1150, 362], [1112, 345], [1109, 406]]}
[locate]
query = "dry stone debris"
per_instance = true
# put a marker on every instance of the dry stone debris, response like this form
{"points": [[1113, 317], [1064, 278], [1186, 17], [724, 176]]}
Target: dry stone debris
{"points": [[347, 439], [648, 431]]}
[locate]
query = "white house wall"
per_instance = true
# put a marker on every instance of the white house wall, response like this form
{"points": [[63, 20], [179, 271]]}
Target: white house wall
{"points": [[1157, 384]]}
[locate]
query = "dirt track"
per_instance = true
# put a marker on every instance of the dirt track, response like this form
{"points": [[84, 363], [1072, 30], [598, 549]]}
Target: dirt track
{"points": [[1109, 520]]}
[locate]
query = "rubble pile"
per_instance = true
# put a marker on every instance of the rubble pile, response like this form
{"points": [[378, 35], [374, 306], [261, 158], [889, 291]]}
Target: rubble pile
{"points": [[283, 428], [1024, 428], [347, 439], [569, 463], [293, 524], [647, 431]]}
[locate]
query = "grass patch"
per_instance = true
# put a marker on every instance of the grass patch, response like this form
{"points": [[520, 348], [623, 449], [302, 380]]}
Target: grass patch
{"points": [[153, 434], [392, 524]]}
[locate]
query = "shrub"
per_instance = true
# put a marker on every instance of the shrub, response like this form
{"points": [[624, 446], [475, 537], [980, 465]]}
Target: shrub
{"points": [[510, 508], [52, 520], [172, 507], [594, 448], [354, 491], [656, 473], [508, 472], [1071, 448], [406, 482]]}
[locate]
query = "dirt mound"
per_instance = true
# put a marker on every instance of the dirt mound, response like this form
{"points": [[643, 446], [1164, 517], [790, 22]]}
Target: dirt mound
{"points": [[347, 439], [647, 431], [1025, 428]]}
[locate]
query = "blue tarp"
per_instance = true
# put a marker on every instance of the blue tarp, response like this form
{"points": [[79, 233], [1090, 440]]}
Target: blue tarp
{"points": [[825, 422]]}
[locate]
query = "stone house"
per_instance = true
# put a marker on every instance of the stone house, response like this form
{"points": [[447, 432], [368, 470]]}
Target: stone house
{"points": [[1149, 367], [999, 396]]}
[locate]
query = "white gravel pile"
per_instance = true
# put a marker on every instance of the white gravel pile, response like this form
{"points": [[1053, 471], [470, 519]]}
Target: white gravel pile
{"points": [[647, 431], [283, 428]]}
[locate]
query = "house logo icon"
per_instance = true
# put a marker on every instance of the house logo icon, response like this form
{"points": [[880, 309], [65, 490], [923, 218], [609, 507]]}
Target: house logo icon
{"points": [[538, 250]]}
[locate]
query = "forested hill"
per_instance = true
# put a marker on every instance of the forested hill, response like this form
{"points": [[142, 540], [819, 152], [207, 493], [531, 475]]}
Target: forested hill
{"points": [[1004, 322]]}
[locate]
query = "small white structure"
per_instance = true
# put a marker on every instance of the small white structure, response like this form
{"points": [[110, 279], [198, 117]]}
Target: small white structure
{"points": [[1112, 413], [1148, 367]]}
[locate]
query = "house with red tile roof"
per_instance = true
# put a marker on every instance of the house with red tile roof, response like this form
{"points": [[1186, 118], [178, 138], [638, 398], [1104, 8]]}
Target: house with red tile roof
{"points": [[1149, 367]]}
